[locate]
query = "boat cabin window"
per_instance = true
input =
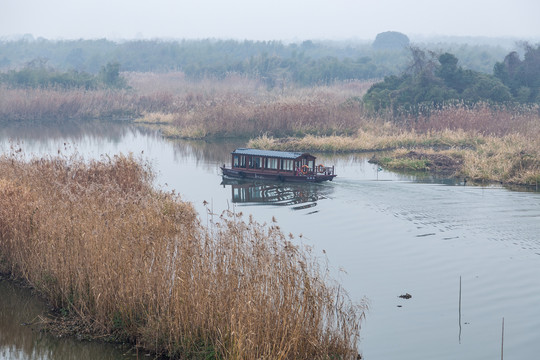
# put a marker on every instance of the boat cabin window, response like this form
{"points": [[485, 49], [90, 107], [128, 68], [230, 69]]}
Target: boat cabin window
{"points": [[272, 163], [256, 162], [239, 161], [287, 165], [310, 164]]}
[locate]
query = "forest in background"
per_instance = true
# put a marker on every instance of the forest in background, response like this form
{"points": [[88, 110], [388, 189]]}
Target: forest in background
{"points": [[305, 63], [432, 81]]}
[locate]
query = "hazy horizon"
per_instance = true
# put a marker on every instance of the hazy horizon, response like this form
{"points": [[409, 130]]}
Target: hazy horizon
{"points": [[268, 20]]}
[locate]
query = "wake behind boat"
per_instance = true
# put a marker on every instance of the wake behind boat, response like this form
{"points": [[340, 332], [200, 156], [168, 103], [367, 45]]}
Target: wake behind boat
{"points": [[276, 165]]}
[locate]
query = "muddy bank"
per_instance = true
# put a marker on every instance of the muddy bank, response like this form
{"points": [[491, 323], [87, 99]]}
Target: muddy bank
{"points": [[421, 161]]}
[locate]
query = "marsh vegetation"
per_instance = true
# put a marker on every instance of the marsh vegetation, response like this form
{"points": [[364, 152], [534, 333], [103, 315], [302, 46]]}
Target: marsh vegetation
{"points": [[132, 263], [493, 143], [125, 261]]}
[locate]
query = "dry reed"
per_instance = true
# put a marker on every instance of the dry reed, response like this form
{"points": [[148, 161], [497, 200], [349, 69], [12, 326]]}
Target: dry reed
{"points": [[54, 104], [155, 118], [232, 107], [132, 261], [371, 141], [513, 158], [321, 118], [510, 159], [238, 106]]}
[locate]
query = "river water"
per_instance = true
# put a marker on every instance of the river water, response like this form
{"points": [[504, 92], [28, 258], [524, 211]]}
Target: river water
{"points": [[468, 255]]}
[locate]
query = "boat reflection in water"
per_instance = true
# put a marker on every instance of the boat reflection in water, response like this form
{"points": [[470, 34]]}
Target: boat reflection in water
{"points": [[298, 196]]}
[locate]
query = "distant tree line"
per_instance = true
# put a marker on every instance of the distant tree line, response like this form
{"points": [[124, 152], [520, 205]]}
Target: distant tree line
{"points": [[432, 80], [305, 63], [522, 77], [36, 74]]}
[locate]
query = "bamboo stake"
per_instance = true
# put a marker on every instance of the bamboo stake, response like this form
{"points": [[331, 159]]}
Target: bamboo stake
{"points": [[460, 309], [502, 339]]}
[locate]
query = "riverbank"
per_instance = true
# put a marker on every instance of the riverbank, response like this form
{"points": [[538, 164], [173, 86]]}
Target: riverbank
{"points": [[509, 159], [490, 143], [483, 143], [121, 260]]}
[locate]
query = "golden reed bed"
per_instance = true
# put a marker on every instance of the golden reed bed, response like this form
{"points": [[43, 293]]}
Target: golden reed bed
{"points": [[129, 261]]}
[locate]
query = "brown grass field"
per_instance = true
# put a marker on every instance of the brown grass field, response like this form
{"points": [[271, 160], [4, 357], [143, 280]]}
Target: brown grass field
{"points": [[495, 143], [129, 262]]}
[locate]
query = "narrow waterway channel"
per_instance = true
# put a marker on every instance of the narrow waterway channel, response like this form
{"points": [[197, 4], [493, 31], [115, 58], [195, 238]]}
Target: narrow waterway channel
{"points": [[21, 338], [384, 235]]}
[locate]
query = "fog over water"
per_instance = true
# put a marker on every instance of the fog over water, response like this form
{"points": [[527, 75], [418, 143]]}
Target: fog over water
{"points": [[267, 20]]}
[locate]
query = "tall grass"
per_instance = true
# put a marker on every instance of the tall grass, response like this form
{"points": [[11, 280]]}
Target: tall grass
{"points": [[320, 118], [499, 145], [371, 140], [481, 118], [232, 107], [129, 260], [508, 159], [53, 104], [233, 115], [238, 106]]}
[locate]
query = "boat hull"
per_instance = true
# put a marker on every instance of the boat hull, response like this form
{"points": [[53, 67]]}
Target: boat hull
{"points": [[276, 176]]}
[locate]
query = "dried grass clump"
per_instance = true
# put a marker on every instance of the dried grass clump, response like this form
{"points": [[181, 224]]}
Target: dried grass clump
{"points": [[239, 106], [371, 140], [443, 162], [134, 262], [481, 118], [155, 118], [53, 104], [510, 159], [233, 115]]}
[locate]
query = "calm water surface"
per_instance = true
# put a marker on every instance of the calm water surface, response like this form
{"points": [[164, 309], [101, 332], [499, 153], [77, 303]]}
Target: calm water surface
{"points": [[384, 234], [20, 337]]}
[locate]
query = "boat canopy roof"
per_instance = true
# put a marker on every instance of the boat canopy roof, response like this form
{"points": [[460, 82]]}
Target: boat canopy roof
{"points": [[270, 153]]}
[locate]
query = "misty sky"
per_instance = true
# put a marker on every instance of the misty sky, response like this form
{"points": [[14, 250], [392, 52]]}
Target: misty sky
{"points": [[268, 19]]}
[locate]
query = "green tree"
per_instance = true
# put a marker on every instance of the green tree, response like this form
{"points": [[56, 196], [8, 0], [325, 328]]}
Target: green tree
{"points": [[110, 75], [487, 87], [521, 76], [431, 81], [36, 74]]}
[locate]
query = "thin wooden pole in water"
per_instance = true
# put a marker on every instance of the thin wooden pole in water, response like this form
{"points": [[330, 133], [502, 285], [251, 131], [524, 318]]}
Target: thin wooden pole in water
{"points": [[460, 309], [502, 340]]}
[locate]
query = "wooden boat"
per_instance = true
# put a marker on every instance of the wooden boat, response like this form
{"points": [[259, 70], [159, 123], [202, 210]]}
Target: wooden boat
{"points": [[276, 165]]}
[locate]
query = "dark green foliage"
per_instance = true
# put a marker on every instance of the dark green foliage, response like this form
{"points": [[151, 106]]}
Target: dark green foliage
{"points": [[452, 75], [110, 75], [522, 77], [432, 81], [37, 75], [486, 88]]}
